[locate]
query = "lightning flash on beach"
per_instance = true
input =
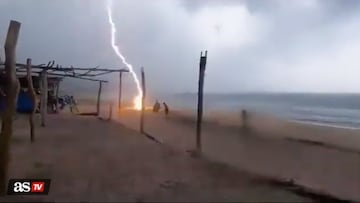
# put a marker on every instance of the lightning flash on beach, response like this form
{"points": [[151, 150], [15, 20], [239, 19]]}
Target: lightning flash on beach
{"points": [[137, 100]]}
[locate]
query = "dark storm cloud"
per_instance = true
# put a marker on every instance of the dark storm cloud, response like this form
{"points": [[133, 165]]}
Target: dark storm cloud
{"points": [[194, 5], [339, 6], [254, 45], [333, 8], [302, 34]]}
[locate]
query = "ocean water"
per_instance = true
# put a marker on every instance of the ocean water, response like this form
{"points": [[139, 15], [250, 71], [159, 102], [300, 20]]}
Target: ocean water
{"points": [[336, 110]]}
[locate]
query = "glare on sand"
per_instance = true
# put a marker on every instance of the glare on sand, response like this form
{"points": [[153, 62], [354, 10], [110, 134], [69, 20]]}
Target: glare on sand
{"points": [[134, 109], [137, 102]]}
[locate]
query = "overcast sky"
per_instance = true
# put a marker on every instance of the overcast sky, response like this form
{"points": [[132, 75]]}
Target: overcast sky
{"points": [[254, 45]]}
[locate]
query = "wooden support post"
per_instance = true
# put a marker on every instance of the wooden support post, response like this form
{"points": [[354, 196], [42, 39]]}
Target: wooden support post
{"points": [[12, 91], [44, 97], [110, 111], [143, 95], [98, 99], [200, 101], [32, 95], [57, 97], [40, 91], [120, 89]]}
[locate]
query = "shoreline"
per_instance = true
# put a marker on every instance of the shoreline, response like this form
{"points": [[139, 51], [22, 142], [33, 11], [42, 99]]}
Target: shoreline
{"points": [[270, 126], [210, 122], [238, 108], [308, 162], [315, 123], [263, 123], [273, 116], [234, 116], [224, 144]]}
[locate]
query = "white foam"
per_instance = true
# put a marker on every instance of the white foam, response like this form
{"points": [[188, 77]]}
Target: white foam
{"points": [[326, 125]]}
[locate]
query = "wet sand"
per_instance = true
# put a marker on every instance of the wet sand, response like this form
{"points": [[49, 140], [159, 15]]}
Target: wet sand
{"points": [[285, 151], [92, 160]]}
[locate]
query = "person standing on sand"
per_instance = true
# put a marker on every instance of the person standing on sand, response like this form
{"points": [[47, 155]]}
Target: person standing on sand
{"points": [[52, 102], [70, 102], [62, 103], [73, 104], [156, 107], [244, 118], [166, 109]]}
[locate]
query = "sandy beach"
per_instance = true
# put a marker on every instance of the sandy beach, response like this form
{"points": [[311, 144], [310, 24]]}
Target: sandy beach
{"points": [[88, 159], [127, 106], [91, 159], [325, 160], [270, 126]]}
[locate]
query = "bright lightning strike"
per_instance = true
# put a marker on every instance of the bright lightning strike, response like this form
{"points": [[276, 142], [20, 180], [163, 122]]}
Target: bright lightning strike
{"points": [[137, 99]]}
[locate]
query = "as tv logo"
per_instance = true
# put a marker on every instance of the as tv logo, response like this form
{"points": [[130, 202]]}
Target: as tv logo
{"points": [[28, 186]]}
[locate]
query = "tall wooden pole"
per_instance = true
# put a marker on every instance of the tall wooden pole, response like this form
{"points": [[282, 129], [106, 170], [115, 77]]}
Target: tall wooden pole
{"points": [[40, 89], [32, 95], [12, 91], [98, 99], [57, 96], [142, 100], [120, 90], [44, 97], [203, 59], [110, 111]]}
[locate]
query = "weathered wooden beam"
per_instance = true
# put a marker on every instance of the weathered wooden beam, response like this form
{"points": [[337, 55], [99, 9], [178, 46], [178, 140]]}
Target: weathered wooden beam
{"points": [[70, 76], [98, 99], [60, 73], [107, 72], [55, 70], [86, 69], [89, 71], [44, 97], [77, 77], [32, 95], [203, 59], [142, 100], [12, 90], [20, 65], [50, 64]]}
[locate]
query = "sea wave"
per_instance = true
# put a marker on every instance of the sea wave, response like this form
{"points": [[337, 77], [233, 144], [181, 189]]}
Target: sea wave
{"points": [[335, 110], [333, 125]]}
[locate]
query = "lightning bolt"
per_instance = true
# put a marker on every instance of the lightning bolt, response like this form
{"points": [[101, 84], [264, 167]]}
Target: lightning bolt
{"points": [[137, 99]]}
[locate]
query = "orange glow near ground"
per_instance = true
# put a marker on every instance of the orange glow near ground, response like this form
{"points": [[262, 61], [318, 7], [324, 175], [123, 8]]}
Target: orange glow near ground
{"points": [[137, 102], [131, 108]]}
